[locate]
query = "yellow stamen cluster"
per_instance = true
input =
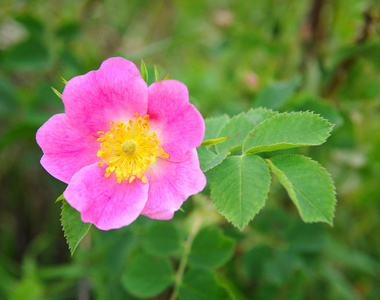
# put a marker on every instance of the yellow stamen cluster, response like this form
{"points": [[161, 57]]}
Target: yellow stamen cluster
{"points": [[128, 149]]}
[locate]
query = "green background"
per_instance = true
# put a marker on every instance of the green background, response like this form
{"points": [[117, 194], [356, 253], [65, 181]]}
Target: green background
{"points": [[319, 55]]}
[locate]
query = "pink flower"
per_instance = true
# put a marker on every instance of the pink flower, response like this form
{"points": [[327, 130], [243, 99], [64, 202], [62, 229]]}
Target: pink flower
{"points": [[124, 148]]}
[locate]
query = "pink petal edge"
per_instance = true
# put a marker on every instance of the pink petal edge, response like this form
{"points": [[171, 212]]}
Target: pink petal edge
{"points": [[66, 149], [170, 184], [103, 201], [115, 92], [178, 124]]}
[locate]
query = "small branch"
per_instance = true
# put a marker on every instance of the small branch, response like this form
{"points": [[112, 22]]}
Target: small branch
{"points": [[313, 32], [313, 35], [182, 264], [341, 71]]}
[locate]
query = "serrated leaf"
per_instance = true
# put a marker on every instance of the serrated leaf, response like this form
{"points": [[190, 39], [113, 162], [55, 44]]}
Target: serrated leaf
{"points": [[147, 276], [287, 130], [239, 188], [215, 141], [144, 72], [213, 126], [275, 95], [73, 227], [325, 109], [210, 248], [60, 198], [56, 92], [201, 285], [260, 114], [208, 159], [308, 184], [237, 129], [156, 74], [162, 239]]}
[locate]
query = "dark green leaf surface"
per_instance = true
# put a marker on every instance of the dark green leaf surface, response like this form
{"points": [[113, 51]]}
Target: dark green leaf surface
{"points": [[308, 184], [287, 130], [31, 55], [325, 109], [239, 188], [147, 276], [201, 285], [213, 126], [257, 115], [162, 239], [211, 248], [208, 159], [237, 129], [73, 226]]}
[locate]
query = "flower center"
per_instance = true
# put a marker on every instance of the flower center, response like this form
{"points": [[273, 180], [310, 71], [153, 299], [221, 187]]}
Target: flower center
{"points": [[129, 149]]}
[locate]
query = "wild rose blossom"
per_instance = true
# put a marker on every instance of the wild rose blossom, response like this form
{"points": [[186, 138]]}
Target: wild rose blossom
{"points": [[124, 148]]}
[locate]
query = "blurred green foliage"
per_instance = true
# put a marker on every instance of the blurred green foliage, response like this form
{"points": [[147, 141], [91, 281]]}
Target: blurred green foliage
{"points": [[317, 55]]}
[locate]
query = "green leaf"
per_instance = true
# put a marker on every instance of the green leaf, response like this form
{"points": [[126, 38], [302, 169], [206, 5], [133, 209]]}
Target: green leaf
{"points": [[277, 94], [8, 103], [162, 239], [281, 267], [31, 55], [156, 74], [237, 129], [258, 115], [144, 71], [28, 288], [56, 92], [322, 108], [211, 248], [73, 226], [60, 198], [208, 159], [213, 126], [287, 130], [239, 188], [147, 276], [214, 142], [254, 260], [64, 80], [201, 285], [308, 185], [166, 77]]}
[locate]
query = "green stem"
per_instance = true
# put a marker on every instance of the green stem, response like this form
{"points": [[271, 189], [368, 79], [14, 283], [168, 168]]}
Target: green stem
{"points": [[183, 262]]}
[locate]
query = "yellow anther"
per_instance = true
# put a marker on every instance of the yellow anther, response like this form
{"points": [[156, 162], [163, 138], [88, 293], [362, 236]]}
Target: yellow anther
{"points": [[128, 149]]}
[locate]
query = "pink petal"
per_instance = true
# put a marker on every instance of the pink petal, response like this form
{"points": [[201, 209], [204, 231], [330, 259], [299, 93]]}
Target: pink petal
{"points": [[170, 184], [113, 93], [103, 201], [178, 124], [66, 149]]}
